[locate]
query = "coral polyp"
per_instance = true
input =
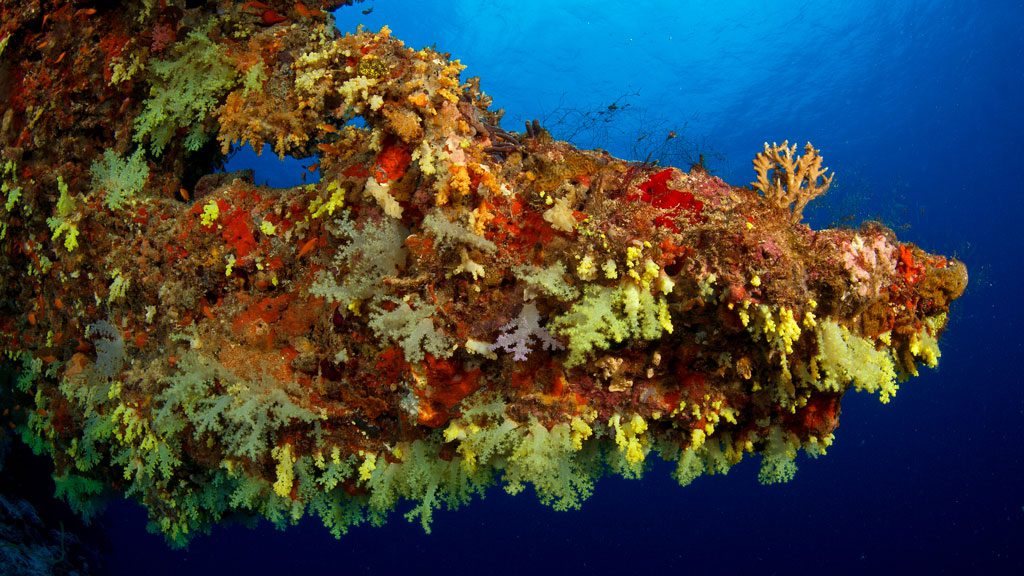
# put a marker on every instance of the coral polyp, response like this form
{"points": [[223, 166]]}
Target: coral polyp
{"points": [[451, 307]]}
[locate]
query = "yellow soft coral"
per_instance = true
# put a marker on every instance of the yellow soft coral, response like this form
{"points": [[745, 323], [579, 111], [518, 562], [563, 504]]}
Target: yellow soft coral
{"points": [[211, 211], [923, 343], [629, 437], [319, 207], [846, 358], [779, 332], [285, 470], [367, 467], [580, 432], [65, 222]]}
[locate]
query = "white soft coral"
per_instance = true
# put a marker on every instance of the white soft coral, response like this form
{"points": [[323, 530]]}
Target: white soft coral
{"points": [[518, 334]]}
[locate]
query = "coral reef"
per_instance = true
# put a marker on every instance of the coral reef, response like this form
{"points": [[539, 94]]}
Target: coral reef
{"points": [[452, 306]]}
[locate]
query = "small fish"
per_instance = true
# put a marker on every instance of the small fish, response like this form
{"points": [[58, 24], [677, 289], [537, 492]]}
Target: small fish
{"points": [[368, 11], [271, 17], [304, 11]]}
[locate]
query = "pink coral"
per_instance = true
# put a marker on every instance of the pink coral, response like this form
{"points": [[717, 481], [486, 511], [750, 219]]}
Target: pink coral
{"points": [[870, 263]]}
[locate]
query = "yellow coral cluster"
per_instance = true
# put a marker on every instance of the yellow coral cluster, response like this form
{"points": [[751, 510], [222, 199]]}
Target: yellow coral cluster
{"points": [[780, 330], [211, 212], [65, 222], [707, 411], [629, 437], [336, 201], [923, 343], [846, 358], [285, 470]]}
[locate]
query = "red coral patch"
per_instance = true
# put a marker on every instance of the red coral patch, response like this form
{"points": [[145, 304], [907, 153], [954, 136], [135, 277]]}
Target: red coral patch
{"points": [[392, 163], [656, 192], [238, 234]]}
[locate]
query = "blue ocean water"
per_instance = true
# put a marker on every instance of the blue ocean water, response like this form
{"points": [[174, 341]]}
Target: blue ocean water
{"points": [[917, 106]]}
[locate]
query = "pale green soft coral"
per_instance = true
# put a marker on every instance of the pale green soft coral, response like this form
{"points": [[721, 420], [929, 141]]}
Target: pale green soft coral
{"points": [[778, 459], [689, 467], [413, 328], [845, 358], [10, 192], [594, 322], [367, 256], [254, 78], [549, 280], [776, 469], [484, 434], [454, 233], [184, 90], [561, 476], [419, 474], [9, 188], [241, 418], [118, 178], [608, 315], [553, 460], [84, 495]]}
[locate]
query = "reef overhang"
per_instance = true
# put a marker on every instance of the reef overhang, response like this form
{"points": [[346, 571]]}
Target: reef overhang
{"points": [[451, 306]]}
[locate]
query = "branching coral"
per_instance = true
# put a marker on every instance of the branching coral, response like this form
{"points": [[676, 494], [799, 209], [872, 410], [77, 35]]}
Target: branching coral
{"points": [[518, 335], [452, 307], [788, 180]]}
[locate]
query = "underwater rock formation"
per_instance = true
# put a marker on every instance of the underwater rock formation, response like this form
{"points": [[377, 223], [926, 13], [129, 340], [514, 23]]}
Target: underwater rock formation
{"points": [[452, 306]]}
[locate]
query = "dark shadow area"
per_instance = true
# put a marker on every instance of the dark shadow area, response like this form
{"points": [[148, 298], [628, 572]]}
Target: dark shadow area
{"points": [[39, 535]]}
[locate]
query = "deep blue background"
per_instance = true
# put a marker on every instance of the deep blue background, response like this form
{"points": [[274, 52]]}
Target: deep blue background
{"points": [[917, 107]]}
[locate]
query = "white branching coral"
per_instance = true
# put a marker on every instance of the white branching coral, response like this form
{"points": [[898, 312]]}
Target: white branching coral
{"points": [[382, 193], [413, 328], [518, 334]]}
